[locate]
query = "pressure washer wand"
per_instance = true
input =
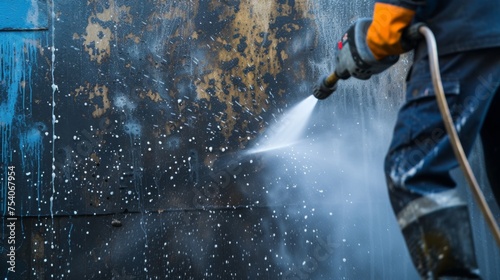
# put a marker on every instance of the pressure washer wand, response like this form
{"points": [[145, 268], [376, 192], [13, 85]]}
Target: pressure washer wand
{"points": [[353, 58], [326, 86]]}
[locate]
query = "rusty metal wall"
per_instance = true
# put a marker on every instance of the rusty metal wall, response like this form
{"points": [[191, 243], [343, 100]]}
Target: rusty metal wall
{"points": [[124, 126], [147, 97]]}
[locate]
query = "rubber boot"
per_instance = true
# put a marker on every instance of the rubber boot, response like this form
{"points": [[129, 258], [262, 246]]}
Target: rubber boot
{"points": [[441, 245]]}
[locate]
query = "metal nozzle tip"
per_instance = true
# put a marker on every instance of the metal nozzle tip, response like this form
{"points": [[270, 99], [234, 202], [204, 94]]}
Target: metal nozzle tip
{"points": [[323, 91]]}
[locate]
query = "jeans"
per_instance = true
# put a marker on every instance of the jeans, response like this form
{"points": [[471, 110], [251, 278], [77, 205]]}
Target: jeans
{"points": [[433, 218]]}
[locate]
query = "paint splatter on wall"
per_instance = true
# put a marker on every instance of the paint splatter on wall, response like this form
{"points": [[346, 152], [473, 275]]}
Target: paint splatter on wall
{"points": [[19, 129], [156, 100]]}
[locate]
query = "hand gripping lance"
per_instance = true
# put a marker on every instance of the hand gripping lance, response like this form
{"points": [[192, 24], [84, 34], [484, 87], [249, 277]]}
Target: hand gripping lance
{"points": [[354, 58]]}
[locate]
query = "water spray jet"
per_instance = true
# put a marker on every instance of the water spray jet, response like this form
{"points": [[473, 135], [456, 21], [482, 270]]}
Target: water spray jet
{"points": [[286, 132]]}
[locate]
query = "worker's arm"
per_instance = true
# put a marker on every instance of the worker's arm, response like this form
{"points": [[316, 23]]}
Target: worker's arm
{"points": [[390, 18]]}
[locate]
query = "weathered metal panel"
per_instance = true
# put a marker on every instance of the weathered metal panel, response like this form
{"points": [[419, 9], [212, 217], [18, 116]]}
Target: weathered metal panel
{"points": [[23, 15], [168, 245], [150, 96], [127, 124]]}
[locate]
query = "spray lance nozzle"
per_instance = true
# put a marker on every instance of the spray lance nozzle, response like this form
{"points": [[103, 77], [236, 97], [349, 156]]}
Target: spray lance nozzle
{"points": [[353, 58], [327, 85]]}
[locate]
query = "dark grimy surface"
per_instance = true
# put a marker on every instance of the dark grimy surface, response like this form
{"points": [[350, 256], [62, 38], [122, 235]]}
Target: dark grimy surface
{"points": [[127, 123]]}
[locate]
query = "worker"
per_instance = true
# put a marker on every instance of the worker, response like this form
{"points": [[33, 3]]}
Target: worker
{"points": [[433, 218]]}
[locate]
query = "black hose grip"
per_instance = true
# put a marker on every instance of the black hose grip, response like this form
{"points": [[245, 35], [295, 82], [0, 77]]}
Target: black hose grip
{"points": [[323, 90], [411, 36]]}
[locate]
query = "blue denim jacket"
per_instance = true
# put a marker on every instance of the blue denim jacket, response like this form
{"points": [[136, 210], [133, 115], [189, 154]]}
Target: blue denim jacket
{"points": [[459, 25]]}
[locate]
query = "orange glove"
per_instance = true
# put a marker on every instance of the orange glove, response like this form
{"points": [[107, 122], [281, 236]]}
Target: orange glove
{"points": [[384, 34]]}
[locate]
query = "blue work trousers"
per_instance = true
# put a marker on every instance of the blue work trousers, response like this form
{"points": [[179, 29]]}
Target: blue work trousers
{"points": [[433, 218]]}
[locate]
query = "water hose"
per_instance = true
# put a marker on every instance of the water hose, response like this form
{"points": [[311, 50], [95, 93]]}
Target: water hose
{"points": [[452, 132]]}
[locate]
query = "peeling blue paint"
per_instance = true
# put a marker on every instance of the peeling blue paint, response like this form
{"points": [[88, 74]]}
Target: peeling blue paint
{"points": [[18, 55], [31, 147], [23, 15]]}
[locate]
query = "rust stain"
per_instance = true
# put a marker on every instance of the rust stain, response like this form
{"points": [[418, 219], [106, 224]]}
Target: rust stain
{"points": [[240, 60], [247, 49], [97, 96], [134, 38], [101, 91], [98, 37], [97, 40], [283, 55], [153, 96]]}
